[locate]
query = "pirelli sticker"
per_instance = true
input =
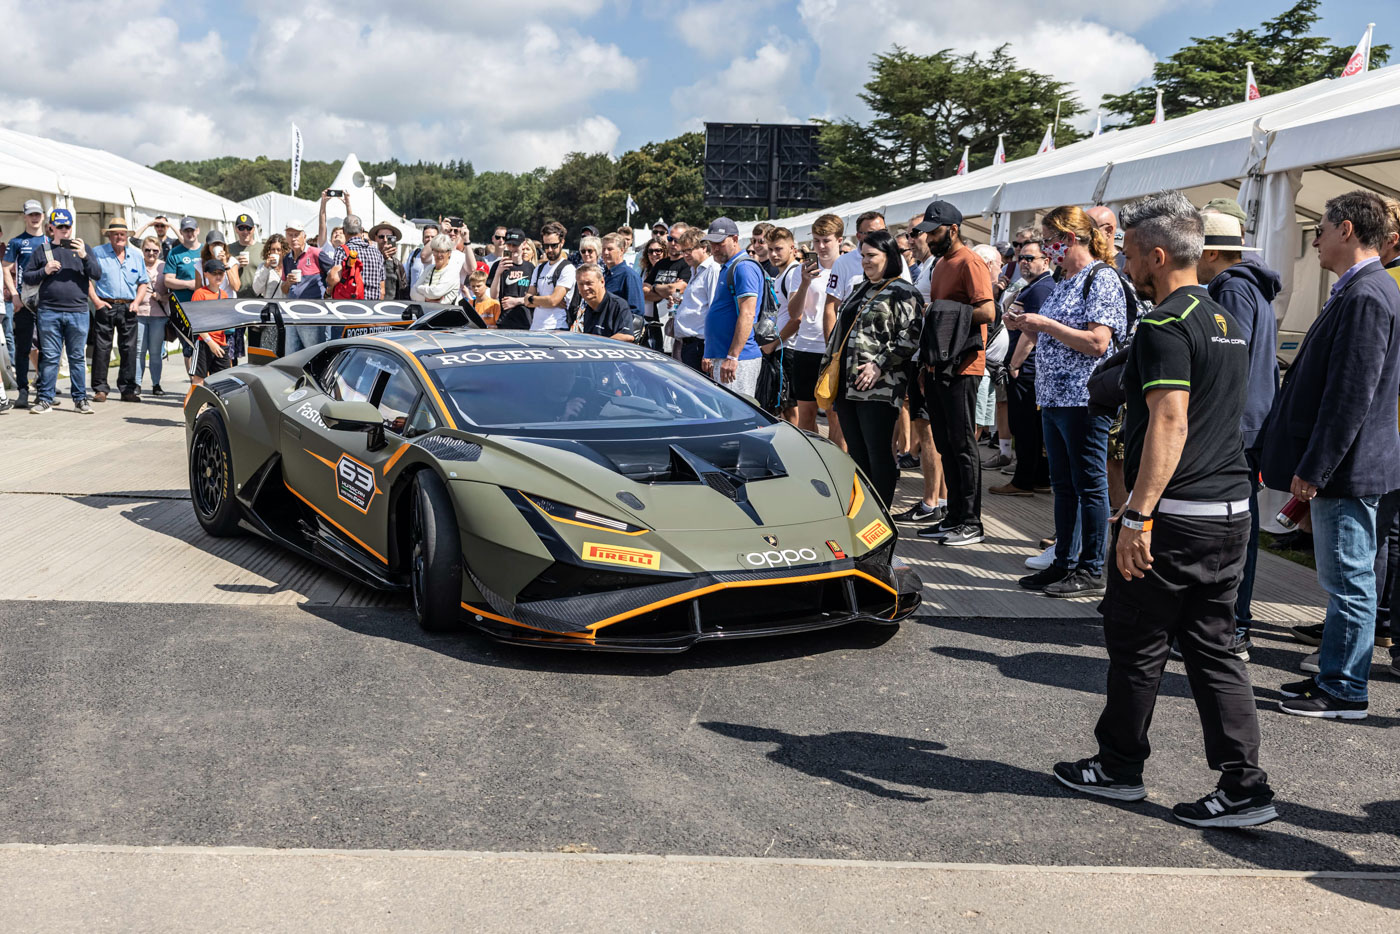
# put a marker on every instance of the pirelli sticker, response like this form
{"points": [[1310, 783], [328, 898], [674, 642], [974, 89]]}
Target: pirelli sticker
{"points": [[874, 533], [622, 555]]}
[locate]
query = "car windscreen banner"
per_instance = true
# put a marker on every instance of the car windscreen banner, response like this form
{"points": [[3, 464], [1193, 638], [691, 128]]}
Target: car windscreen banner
{"points": [[192, 318]]}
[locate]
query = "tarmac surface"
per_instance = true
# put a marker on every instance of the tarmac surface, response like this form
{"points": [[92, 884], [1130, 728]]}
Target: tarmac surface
{"points": [[163, 691]]}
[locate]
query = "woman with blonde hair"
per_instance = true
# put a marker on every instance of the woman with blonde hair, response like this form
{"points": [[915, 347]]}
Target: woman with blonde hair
{"points": [[1078, 324], [150, 317], [439, 282], [530, 252]]}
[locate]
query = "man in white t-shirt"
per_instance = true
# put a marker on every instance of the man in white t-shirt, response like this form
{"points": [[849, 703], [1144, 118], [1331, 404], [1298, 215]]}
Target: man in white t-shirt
{"points": [[781, 248], [552, 283], [688, 318], [804, 329]]}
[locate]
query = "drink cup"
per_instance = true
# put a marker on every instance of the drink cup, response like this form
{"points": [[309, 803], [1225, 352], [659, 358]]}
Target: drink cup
{"points": [[294, 275]]}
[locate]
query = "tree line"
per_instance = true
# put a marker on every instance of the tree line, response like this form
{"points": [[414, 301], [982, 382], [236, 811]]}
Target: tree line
{"points": [[923, 110]]}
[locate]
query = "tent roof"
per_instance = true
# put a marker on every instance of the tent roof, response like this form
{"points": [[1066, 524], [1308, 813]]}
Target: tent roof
{"points": [[35, 165], [1347, 120]]}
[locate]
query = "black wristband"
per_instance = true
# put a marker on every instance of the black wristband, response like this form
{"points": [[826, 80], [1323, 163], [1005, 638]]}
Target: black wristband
{"points": [[1135, 515]]}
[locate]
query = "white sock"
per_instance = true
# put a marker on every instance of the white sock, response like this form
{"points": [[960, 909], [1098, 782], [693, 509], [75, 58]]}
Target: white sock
{"points": [[943, 502], [1004, 447]]}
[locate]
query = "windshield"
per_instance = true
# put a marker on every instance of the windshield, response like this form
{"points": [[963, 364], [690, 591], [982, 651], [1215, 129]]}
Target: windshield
{"points": [[539, 389]]}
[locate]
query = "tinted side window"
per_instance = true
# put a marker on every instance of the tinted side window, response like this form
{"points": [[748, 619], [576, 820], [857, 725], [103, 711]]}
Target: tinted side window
{"points": [[396, 400]]}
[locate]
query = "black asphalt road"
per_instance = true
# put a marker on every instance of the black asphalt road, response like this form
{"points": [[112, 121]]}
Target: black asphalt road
{"points": [[320, 727]]}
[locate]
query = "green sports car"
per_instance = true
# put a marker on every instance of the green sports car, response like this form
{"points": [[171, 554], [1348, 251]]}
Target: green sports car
{"points": [[547, 488]]}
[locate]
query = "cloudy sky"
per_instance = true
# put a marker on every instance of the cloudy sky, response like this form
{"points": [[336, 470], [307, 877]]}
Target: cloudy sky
{"points": [[518, 83]]}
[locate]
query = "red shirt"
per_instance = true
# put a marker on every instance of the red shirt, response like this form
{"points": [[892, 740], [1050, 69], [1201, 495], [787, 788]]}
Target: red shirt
{"points": [[206, 295]]}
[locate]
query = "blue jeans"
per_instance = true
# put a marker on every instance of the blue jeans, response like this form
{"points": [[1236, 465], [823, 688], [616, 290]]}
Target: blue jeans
{"points": [[1076, 444], [150, 339], [60, 331], [299, 338], [1344, 545]]}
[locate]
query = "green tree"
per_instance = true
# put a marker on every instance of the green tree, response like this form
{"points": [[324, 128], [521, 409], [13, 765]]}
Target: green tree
{"points": [[1210, 72], [928, 107], [573, 193]]}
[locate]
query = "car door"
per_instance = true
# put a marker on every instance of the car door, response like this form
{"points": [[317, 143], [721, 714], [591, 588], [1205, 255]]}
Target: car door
{"points": [[336, 472]]}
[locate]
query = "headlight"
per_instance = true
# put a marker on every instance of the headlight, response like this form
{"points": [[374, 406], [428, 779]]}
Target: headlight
{"points": [[561, 512]]}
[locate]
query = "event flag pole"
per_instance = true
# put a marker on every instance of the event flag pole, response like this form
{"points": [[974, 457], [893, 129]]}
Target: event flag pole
{"points": [[296, 159], [1098, 124], [1047, 144], [631, 209], [1000, 157], [1360, 60], [1251, 89], [962, 164], [1159, 116]]}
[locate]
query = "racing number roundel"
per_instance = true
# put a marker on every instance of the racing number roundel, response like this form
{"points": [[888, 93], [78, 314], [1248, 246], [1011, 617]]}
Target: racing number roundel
{"points": [[354, 482]]}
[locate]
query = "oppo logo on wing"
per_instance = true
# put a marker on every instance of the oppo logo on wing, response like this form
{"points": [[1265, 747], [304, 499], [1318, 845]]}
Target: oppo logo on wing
{"points": [[785, 558]]}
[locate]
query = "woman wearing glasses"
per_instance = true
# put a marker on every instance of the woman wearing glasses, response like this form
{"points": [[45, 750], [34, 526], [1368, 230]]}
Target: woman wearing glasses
{"points": [[150, 317]]}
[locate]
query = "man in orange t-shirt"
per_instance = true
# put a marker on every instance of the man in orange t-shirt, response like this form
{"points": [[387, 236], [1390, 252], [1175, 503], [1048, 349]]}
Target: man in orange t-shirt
{"points": [[960, 276], [211, 349]]}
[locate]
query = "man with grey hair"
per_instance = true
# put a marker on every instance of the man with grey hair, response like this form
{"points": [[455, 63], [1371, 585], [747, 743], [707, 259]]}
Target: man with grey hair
{"points": [[1180, 539], [359, 250]]}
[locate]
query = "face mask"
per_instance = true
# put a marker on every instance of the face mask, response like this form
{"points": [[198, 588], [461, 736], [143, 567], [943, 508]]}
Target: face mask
{"points": [[1055, 251]]}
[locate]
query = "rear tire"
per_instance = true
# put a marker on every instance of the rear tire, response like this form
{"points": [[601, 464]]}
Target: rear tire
{"points": [[435, 555], [211, 476]]}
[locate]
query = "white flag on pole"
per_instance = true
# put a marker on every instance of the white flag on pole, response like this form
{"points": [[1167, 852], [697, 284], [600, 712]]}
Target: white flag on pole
{"points": [[1098, 124], [1047, 144], [1251, 89], [1360, 60], [296, 159], [1159, 116], [962, 164], [1000, 157]]}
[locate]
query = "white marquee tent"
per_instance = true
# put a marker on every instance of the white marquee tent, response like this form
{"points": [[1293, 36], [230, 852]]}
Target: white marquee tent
{"points": [[96, 186], [273, 209], [1281, 156]]}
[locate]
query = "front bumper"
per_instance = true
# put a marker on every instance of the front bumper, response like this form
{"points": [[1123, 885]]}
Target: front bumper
{"points": [[675, 615]]}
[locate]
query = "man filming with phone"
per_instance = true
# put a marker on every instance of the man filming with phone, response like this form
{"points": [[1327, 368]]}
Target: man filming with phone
{"points": [[64, 270]]}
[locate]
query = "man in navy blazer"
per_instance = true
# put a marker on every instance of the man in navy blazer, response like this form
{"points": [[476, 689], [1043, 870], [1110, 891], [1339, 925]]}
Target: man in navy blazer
{"points": [[1331, 439]]}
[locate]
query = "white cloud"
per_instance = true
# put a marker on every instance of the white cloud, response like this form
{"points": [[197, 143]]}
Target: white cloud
{"points": [[350, 74], [751, 88], [1093, 57]]}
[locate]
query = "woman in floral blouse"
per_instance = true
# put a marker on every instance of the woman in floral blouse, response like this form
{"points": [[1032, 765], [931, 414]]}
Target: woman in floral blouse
{"points": [[883, 318], [1077, 326]]}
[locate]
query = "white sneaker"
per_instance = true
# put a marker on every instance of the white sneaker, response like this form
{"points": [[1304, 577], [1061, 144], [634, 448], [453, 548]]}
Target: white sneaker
{"points": [[1310, 663], [1043, 560]]}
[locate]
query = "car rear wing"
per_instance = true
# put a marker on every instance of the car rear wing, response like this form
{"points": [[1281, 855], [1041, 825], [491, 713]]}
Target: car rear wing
{"points": [[190, 319]]}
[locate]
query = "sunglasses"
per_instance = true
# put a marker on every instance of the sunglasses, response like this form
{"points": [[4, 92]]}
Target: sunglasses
{"points": [[1027, 258], [152, 252], [655, 250], [385, 236], [498, 239], [62, 226]]}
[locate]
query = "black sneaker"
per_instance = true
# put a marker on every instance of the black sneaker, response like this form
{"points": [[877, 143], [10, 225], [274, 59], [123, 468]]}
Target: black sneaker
{"points": [[5, 403], [906, 461], [922, 513], [1078, 583], [1310, 634], [157, 391], [1315, 702], [1088, 776], [1297, 688], [1240, 649], [936, 532], [23, 401], [965, 534], [1217, 810], [1040, 579]]}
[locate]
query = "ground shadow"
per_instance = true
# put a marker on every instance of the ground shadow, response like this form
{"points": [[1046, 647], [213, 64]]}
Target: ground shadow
{"points": [[1273, 848], [1058, 670], [870, 762], [157, 422], [1072, 632]]}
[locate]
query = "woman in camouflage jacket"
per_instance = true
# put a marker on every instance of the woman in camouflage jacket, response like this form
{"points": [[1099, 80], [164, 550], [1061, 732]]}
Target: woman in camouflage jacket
{"points": [[884, 316]]}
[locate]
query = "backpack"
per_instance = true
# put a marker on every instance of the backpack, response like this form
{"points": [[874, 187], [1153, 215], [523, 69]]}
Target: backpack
{"points": [[352, 277], [765, 319], [1130, 299], [29, 294]]}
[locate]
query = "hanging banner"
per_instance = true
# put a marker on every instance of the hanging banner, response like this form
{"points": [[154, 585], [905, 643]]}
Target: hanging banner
{"points": [[296, 159]]}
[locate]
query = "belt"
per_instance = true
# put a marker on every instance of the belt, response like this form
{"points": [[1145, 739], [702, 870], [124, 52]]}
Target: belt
{"points": [[692, 340], [116, 301], [1186, 507]]}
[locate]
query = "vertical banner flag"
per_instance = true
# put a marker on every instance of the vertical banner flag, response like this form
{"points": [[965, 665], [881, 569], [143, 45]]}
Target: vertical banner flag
{"points": [[296, 159], [1098, 124], [1159, 117], [962, 164], [1360, 59], [1000, 157], [631, 206], [1251, 90], [1047, 144]]}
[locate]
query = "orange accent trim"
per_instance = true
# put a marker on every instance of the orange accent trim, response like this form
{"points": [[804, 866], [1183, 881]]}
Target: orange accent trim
{"points": [[586, 525], [427, 380], [342, 528], [489, 615], [857, 498], [389, 465], [188, 392], [328, 463], [262, 352]]}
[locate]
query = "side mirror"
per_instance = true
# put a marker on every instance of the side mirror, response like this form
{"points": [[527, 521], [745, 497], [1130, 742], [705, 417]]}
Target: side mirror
{"points": [[355, 416]]}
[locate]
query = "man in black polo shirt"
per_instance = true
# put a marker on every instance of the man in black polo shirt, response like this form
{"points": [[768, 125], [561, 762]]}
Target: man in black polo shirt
{"points": [[510, 278], [604, 312], [1180, 540]]}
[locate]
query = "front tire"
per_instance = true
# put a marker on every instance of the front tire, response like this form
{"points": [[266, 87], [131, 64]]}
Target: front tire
{"points": [[211, 476], [435, 556]]}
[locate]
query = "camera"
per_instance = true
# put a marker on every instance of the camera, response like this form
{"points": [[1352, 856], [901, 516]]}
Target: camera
{"points": [[67, 244], [393, 240]]}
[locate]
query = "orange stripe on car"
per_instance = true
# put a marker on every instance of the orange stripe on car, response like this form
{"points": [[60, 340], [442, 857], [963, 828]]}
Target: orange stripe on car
{"points": [[342, 528], [389, 465]]}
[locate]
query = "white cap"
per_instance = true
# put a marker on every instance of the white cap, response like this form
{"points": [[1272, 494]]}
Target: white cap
{"points": [[294, 225], [33, 207]]}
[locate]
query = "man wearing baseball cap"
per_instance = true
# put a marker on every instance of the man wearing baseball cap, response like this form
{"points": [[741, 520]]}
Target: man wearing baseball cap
{"points": [[64, 270], [510, 278], [245, 252], [17, 254], [115, 297], [732, 357], [1236, 279]]}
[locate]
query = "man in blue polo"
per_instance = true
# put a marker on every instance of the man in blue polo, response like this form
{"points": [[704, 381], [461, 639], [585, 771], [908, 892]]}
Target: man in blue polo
{"points": [[26, 330], [121, 289], [732, 358], [64, 270]]}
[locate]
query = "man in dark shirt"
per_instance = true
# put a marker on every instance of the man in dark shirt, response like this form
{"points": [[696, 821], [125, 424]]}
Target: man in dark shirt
{"points": [[1032, 470], [510, 278], [665, 282], [604, 312], [1180, 541], [64, 272]]}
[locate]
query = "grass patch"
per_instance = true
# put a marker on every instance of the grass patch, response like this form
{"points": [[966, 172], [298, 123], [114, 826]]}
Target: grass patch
{"points": [[1297, 556]]}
